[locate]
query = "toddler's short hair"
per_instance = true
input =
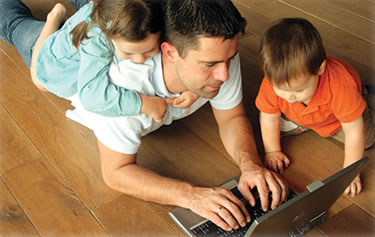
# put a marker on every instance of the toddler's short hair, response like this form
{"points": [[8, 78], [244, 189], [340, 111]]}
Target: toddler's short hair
{"points": [[289, 48]]}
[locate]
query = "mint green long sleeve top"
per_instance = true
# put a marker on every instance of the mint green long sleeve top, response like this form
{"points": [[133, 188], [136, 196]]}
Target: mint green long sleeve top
{"points": [[64, 71]]}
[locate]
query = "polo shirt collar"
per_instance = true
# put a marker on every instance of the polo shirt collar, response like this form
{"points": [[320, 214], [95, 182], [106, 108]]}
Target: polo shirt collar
{"points": [[322, 94]]}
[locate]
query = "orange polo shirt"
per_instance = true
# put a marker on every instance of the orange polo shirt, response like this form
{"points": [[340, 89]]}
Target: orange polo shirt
{"points": [[337, 99]]}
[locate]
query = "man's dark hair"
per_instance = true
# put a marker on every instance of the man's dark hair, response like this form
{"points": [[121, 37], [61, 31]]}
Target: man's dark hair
{"points": [[187, 20]]}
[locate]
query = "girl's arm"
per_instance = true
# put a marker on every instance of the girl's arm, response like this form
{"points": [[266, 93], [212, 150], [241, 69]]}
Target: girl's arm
{"points": [[96, 91]]}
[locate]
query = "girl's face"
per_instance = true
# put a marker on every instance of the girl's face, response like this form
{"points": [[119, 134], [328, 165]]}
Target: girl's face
{"points": [[137, 51]]}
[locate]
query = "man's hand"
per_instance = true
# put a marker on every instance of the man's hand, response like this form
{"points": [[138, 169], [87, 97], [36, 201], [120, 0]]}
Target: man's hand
{"points": [[265, 181], [220, 206], [155, 107], [276, 161]]}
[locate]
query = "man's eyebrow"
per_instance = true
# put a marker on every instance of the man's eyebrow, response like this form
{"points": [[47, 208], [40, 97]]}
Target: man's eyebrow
{"points": [[214, 62]]}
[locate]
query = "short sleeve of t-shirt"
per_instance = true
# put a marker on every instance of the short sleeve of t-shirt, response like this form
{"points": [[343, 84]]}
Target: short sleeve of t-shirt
{"points": [[267, 100], [347, 101], [230, 94]]}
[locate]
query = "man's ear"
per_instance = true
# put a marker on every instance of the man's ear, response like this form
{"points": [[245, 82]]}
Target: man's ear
{"points": [[322, 67], [169, 52]]}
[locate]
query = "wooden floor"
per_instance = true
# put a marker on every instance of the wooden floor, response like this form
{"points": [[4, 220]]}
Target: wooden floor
{"points": [[50, 180]]}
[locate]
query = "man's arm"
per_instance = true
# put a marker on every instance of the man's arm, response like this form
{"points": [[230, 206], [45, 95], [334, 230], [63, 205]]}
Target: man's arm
{"points": [[237, 136], [121, 173]]}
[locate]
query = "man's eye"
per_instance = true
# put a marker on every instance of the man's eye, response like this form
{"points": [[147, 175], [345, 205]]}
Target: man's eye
{"points": [[210, 64]]}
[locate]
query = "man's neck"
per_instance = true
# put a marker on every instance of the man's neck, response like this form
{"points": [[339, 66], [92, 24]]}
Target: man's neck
{"points": [[172, 83]]}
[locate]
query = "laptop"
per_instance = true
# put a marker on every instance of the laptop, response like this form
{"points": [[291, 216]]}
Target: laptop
{"points": [[296, 216]]}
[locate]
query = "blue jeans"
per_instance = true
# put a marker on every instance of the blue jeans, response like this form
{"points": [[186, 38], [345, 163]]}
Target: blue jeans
{"points": [[19, 28]]}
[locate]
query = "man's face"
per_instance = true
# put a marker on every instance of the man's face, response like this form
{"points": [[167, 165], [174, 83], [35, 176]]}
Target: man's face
{"points": [[204, 70]]}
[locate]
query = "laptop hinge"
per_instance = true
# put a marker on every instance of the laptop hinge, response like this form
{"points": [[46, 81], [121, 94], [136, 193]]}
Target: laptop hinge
{"points": [[315, 185]]}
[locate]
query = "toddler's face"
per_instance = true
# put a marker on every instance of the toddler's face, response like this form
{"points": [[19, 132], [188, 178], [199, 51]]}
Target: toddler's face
{"points": [[137, 51], [300, 89]]}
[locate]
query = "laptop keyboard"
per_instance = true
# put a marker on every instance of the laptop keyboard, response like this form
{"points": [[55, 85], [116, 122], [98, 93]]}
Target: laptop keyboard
{"points": [[210, 229]]}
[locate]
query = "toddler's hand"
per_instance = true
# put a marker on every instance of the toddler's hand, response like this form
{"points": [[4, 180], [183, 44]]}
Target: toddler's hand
{"points": [[276, 161], [185, 100], [155, 107], [355, 187]]}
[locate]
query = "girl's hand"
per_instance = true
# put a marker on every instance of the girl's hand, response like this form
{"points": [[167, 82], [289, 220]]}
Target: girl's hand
{"points": [[155, 107], [185, 100], [276, 161]]}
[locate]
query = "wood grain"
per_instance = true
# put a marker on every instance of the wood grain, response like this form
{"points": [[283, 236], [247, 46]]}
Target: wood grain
{"points": [[50, 175]]}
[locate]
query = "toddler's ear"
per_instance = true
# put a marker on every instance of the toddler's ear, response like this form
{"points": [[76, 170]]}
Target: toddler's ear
{"points": [[322, 67]]}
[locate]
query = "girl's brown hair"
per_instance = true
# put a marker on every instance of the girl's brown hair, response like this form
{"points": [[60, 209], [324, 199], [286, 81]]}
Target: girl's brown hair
{"points": [[132, 19], [289, 48]]}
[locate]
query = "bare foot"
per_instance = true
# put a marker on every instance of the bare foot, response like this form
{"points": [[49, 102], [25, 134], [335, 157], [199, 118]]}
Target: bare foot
{"points": [[57, 15]]}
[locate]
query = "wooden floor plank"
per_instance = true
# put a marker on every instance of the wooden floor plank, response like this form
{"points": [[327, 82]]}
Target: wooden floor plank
{"points": [[352, 221], [338, 16], [193, 161], [56, 136], [49, 203], [364, 8], [52, 161], [128, 216], [13, 220], [15, 147]]}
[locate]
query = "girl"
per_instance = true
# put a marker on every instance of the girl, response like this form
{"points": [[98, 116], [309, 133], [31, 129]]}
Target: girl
{"points": [[76, 58]]}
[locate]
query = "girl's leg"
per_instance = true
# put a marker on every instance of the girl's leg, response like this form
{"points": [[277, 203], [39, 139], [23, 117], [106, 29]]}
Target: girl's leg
{"points": [[54, 20], [19, 28]]}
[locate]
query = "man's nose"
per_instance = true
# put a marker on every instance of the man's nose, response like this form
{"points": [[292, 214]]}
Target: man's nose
{"points": [[221, 72]]}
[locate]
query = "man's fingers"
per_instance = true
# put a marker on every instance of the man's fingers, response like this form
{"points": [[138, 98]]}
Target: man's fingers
{"points": [[238, 210], [276, 191], [263, 194], [227, 216], [284, 188], [217, 220], [245, 191]]}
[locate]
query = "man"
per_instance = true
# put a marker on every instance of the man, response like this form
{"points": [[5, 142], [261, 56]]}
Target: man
{"points": [[200, 55]]}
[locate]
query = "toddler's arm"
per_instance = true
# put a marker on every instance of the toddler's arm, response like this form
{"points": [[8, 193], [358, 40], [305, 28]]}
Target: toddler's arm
{"points": [[185, 100], [354, 149], [274, 158]]}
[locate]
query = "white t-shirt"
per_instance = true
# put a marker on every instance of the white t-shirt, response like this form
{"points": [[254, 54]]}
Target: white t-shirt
{"points": [[123, 134]]}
